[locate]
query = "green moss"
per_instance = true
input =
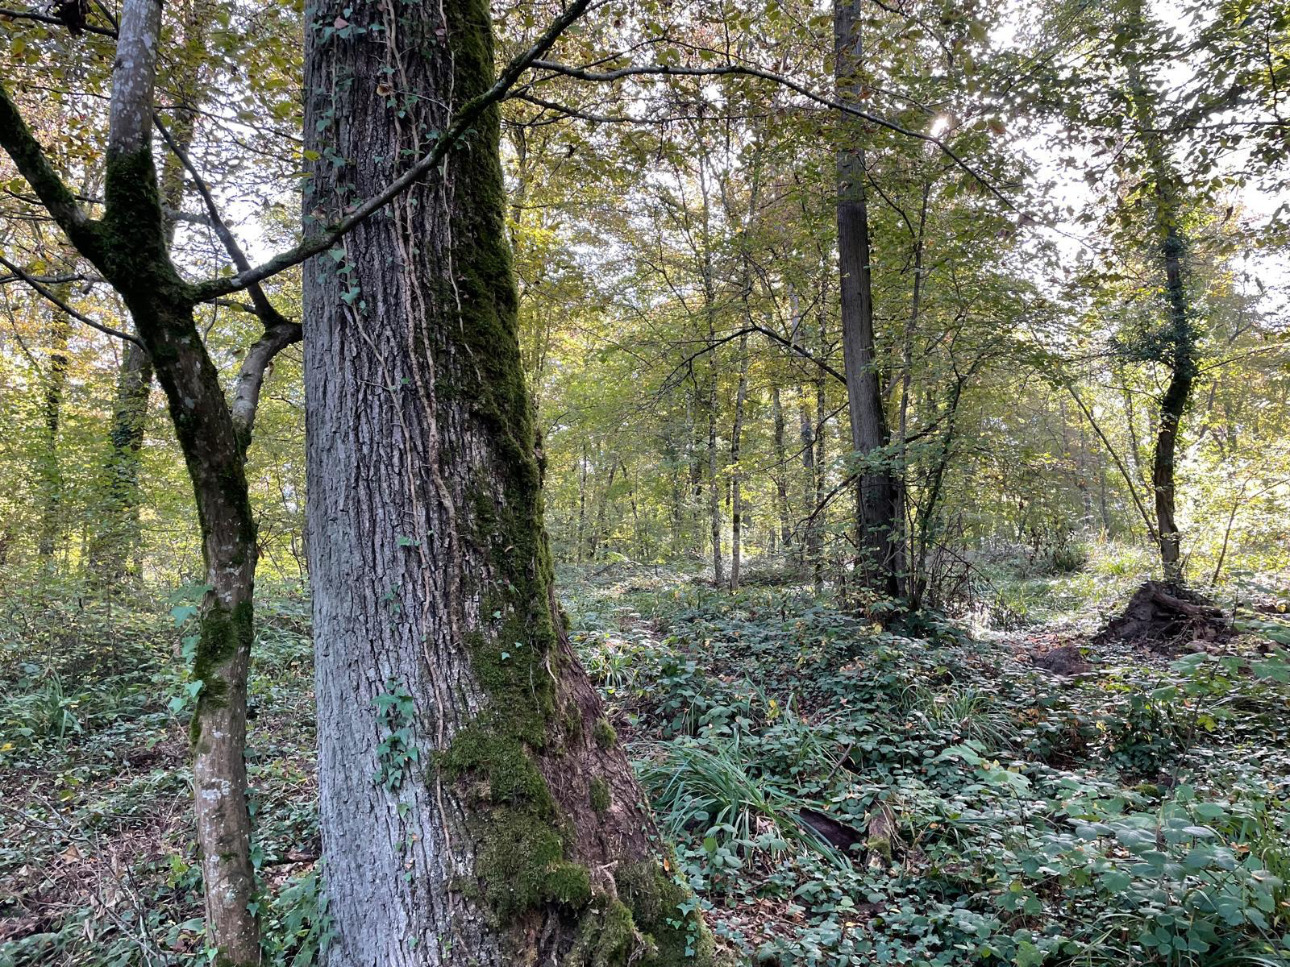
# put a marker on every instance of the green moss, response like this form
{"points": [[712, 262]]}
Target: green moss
{"points": [[523, 860], [572, 720], [604, 734], [879, 846], [600, 797], [666, 914], [222, 632], [568, 884], [502, 761], [606, 936]]}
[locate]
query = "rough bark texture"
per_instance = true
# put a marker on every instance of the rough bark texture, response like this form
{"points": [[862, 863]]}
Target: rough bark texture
{"points": [[475, 806], [878, 513]]}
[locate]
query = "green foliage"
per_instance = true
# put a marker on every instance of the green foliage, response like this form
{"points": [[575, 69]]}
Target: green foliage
{"points": [[1135, 816]]}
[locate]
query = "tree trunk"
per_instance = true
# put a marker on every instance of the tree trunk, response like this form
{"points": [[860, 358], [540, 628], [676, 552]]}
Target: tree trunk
{"points": [[51, 475], [475, 805], [714, 476], [876, 495], [736, 499], [1180, 336], [599, 534], [781, 471], [117, 533], [1182, 372]]}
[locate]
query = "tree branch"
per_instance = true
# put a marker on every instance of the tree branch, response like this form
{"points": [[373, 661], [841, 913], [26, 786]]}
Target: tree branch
{"points": [[269, 315], [250, 378], [47, 19], [469, 113], [736, 70], [29, 158], [60, 304]]}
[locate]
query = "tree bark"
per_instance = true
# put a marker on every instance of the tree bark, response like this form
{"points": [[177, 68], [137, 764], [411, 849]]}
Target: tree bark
{"points": [[781, 470], [878, 518], [736, 498], [475, 805]]}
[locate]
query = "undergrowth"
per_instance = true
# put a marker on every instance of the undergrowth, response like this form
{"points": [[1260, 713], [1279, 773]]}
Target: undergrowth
{"points": [[839, 794], [983, 811]]}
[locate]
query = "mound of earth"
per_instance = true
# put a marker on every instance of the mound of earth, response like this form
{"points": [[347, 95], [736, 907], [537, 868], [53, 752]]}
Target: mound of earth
{"points": [[1065, 660], [1163, 616]]}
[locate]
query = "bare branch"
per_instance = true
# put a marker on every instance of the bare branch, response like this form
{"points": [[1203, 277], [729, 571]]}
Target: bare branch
{"points": [[60, 304], [45, 18], [269, 315], [739, 70]]}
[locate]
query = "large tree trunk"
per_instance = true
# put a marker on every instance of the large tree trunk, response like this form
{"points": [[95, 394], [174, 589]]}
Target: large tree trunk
{"points": [[51, 474], [878, 515], [475, 805]]}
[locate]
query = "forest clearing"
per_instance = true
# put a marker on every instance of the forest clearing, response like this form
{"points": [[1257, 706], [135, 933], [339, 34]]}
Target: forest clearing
{"points": [[635, 483]]}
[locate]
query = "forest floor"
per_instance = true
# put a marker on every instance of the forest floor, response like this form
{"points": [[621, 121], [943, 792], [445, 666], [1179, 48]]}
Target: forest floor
{"points": [[838, 793]]}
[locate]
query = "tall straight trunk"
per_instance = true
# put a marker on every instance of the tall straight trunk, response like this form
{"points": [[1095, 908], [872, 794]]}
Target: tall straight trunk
{"points": [[806, 436], [904, 549], [475, 805], [714, 476], [599, 535], [117, 529], [779, 454], [736, 492], [51, 475], [877, 518], [582, 506]]}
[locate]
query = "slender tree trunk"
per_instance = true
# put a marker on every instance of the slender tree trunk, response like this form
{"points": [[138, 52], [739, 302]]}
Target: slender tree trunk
{"points": [[904, 549], [736, 499], [51, 475], [781, 471], [876, 495], [599, 535], [1182, 366], [582, 505], [714, 477], [117, 531], [1180, 333], [475, 805], [128, 247]]}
